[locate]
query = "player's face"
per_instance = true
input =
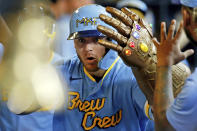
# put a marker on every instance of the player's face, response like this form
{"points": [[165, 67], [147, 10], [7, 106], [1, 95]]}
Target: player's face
{"points": [[89, 52], [190, 22]]}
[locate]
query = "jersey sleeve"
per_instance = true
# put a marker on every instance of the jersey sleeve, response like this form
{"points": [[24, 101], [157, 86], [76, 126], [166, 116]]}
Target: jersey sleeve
{"points": [[142, 107], [182, 114], [130, 95]]}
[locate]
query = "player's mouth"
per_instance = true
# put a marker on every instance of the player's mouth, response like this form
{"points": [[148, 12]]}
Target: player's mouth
{"points": [[91, 60]]}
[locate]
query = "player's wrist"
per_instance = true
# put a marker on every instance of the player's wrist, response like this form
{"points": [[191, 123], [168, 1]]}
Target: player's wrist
{"points": [[164, 62]]}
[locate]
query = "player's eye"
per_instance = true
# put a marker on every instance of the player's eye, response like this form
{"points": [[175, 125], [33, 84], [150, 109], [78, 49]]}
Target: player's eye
{"points": [[81, 40], [96, 40]]}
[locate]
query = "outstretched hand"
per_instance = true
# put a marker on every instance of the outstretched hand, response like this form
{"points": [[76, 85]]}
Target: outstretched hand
{"points": [[137, 50], [168, 50], [135, 45], [133, 35]]}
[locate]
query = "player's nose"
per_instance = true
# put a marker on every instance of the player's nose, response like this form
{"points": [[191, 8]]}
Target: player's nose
{"points": [[89, 46]]}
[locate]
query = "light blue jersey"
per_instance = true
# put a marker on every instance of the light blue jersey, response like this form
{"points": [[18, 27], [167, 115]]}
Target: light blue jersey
{"points": [[115, 103], [182, 115], [41, 120], [37, 121]]}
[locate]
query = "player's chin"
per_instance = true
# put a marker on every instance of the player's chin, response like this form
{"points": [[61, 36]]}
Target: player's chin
{"points": [[92, 67]]}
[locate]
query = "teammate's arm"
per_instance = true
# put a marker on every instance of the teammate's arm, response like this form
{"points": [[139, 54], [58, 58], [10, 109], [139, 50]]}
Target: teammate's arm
{"points": [[22, 100], [168, 53]]}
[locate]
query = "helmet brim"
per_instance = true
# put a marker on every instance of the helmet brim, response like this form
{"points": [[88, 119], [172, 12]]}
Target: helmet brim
{"points": [[87, 33]]}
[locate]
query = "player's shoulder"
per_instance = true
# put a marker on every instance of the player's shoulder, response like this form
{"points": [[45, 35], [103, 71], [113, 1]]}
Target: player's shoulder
{"points": [[191, 84], [69, 66], [191, 80], [182, 112], [123, 72], [123, 68], [188, 96]]}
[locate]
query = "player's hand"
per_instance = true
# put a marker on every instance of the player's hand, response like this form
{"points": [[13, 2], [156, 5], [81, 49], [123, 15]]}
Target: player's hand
{"points": [[134, 37], [136, 48], [168, 50]]}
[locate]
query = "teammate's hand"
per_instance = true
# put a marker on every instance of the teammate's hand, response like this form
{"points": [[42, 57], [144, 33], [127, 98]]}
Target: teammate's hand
{"points": [[168, 50], [134, 37]]}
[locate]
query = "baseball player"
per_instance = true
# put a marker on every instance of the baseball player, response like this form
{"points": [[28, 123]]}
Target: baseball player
{"points": [[177, 114], [102, 87], [103, 92], [136, 48]]}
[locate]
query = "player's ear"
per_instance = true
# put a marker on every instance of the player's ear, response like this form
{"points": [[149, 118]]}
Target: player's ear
{"points": [[186, 16]]}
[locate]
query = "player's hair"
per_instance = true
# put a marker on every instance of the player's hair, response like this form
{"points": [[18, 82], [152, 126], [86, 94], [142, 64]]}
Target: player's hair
{"points": [[53, 1], [192, 12]]}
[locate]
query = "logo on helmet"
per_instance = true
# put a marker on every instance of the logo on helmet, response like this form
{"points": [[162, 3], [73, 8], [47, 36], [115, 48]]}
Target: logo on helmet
{"points": [[86, 21]]}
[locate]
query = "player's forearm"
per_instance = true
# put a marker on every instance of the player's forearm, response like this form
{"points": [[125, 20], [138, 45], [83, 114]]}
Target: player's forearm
{"points": [[163, 98]]}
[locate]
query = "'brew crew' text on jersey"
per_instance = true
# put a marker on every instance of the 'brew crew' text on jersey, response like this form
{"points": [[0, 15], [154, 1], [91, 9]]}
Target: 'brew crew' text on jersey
{"points": [[113, 103]]}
